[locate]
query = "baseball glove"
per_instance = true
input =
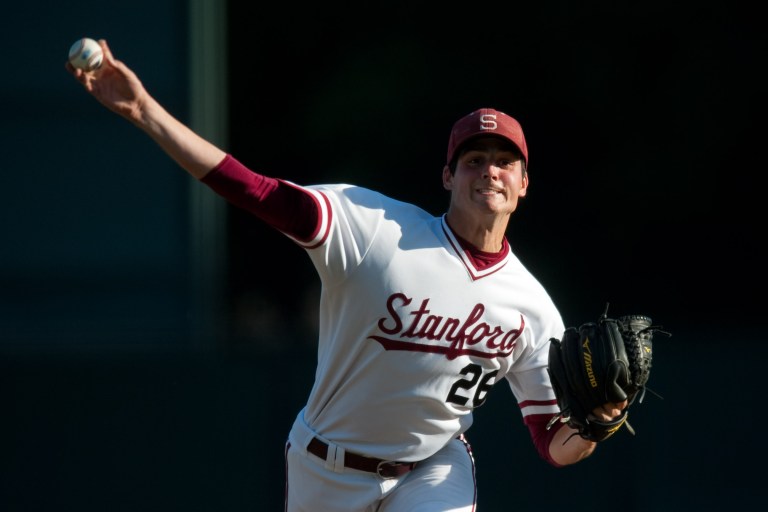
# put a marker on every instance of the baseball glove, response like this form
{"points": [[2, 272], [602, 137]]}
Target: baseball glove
{"points": [[600, 362]]}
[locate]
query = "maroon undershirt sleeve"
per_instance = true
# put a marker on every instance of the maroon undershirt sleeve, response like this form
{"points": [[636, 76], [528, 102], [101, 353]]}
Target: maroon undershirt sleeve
{"points": [[537, 426], [283, 206]]}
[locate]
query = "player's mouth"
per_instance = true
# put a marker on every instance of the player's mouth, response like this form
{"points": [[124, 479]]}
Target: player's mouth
{"points": [[487, 191]]}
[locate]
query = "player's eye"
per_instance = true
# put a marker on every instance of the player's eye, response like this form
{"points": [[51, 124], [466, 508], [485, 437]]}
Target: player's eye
{"points": [[474, 160]]}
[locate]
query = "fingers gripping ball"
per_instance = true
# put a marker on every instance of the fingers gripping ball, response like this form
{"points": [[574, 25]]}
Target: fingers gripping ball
{"points": [[601, 362], [86, 54]]}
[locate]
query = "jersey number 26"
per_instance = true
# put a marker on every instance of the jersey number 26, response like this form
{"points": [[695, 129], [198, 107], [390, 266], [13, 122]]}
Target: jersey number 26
{"points": [[473, 379]]}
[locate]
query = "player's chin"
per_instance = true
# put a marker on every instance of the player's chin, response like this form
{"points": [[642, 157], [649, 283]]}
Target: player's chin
{"points": [[497, 205]]}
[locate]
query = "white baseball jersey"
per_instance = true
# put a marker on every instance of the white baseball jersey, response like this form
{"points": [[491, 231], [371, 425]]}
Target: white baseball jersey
{"points": [[412, 335]]}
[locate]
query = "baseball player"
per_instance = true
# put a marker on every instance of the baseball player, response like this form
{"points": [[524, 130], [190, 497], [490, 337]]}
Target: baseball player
{"points": [[419, 315]]}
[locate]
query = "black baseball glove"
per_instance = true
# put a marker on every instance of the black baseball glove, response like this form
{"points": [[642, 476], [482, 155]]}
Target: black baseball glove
{"points": [[600, 362]]}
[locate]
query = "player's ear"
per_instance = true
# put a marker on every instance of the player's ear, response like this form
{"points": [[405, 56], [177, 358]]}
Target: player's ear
{"points": [[447, 178], [524, 188]]}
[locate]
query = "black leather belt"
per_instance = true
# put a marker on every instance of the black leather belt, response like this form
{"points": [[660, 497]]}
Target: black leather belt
{"points": [[383, 468]]}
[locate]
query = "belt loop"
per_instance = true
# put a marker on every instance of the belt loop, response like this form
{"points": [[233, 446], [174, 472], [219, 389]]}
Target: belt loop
{"points": [[330, 456], [340, 456], [334, 460]]}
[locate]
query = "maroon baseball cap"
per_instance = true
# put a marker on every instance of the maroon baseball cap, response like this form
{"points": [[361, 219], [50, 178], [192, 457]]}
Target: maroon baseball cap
{"points": [[487, 121]]}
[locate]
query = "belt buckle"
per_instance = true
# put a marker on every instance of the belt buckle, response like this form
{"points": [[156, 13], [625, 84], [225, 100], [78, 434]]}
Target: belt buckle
{"points": [[387, 464]]}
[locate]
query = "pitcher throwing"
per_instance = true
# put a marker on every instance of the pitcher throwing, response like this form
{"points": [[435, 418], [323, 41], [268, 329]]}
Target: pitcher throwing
{"points": [[420, 315]]}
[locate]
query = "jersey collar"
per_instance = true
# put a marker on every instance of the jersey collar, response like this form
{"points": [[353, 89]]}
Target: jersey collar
{"points": [[477, 263]]}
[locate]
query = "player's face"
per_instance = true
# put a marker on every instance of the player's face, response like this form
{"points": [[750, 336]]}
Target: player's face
{"points": [[488, 179]]}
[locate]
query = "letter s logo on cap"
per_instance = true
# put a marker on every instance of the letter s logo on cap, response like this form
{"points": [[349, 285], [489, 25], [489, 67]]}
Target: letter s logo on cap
{"points": [[488, 122]]}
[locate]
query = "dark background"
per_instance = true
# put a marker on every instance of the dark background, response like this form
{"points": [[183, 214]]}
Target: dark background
{"points": [[645, 129]]}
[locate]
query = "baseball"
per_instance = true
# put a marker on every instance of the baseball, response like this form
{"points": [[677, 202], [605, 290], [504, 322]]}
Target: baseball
{"points": [[86, 54]]}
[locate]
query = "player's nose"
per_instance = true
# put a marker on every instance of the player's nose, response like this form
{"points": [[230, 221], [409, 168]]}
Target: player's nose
{"points": [[491, 170]]}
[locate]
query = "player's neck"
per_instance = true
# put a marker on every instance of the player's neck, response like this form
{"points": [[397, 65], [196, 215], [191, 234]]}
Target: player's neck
{"points": [[486, 237]]}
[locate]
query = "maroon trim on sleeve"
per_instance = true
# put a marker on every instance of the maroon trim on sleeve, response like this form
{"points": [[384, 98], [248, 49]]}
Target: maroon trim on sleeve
{"points": [[537, 426], [287, 208], [324, 219]]}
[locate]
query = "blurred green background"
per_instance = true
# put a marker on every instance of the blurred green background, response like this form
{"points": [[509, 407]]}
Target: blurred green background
{"points": [[156, 344]]}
